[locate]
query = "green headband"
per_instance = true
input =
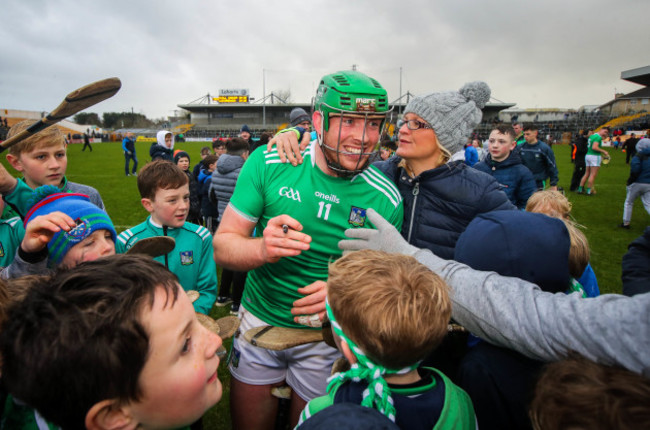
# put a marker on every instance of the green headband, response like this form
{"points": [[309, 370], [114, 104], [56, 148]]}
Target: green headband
{"points": [[378, 394]]}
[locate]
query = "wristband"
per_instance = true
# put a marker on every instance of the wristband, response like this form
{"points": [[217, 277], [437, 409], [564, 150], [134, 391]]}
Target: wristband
{"points": [[298, 130]]}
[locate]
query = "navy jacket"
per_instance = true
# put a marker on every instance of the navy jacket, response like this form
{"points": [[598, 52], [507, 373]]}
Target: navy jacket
{"points": [[441, 202], [158, 152], [540, 159], [636, 270], [208, 209], [513, 177]]}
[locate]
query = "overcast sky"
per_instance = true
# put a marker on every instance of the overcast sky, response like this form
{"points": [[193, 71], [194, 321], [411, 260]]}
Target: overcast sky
{"points": [[536, 54]]}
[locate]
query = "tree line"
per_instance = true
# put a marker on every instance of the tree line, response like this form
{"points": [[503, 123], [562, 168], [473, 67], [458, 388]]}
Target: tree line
{"points": [[115, 120]]}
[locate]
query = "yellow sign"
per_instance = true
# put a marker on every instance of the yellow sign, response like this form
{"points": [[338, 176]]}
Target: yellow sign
{"points": [[231, 99]]}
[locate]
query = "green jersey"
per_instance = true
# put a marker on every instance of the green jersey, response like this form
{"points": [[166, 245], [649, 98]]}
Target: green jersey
{"points": [[415, 406], [11, 234], [325, 206], [191, 259], [592, 139]]}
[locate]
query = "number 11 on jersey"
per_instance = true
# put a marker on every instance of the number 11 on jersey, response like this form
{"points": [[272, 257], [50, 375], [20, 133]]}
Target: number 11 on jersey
{"points": [[327, 207]]}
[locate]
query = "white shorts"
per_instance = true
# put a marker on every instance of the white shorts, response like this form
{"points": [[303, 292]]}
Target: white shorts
{"points": [[593, 160], [305, 367]]}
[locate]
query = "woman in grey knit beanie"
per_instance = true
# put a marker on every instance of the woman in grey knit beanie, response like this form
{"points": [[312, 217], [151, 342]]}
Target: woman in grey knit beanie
{"points": [[440, 196]]}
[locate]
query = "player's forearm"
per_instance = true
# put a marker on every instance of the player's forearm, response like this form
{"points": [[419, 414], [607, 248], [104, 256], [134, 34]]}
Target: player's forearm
{"points": [[236, 252]]}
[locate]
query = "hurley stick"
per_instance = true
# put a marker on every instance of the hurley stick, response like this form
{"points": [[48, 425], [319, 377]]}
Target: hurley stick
{"points": [[74, 102]]}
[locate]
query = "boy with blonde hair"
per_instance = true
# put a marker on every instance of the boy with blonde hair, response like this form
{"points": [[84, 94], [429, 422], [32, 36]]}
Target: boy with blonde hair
{"points": [[113, 343], [387, 313], [42, 160], [555, 204], [165, 195]]}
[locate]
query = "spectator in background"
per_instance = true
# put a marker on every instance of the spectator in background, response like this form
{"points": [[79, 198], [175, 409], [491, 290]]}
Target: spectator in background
{"points": [[87, 143], [182, 160], [504, 164], [205, 151], [638, 184], [162, 148], [539, 158], [630, 147], [218, 147], [299, 118], [128, 145], [224, 179], [471, 154], [387, 149], [209, 210], [519, 132], [579, 153]]}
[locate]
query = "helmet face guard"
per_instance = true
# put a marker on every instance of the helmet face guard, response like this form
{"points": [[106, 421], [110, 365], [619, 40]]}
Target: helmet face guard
{"points": [[349, 94]]}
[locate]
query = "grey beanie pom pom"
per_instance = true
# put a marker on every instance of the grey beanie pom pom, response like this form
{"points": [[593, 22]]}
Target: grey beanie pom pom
{"points": [[477, 91], [453, 115]]}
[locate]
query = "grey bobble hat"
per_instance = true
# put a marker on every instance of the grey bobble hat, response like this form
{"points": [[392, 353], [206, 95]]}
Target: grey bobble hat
{"points": [[297, 116], [453, 115]]}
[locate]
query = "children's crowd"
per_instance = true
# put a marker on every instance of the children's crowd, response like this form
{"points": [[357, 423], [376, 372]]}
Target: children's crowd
{"points": [[445, 259]]}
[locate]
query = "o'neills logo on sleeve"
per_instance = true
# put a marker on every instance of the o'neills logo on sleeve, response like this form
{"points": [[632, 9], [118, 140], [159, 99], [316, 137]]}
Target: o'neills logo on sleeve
{"points": [[329, 197]]}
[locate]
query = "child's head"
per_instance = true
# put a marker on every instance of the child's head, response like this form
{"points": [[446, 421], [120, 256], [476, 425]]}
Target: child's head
{"points": [[577, 393], [219, 147], [205, 151], [533, 247], [390, 305], [237, 146], [182, 159], [210, 162], [165, 192], [550, 202], [93, 237], [530, 133], [165, 139], [579, 253], [501, 142], [41, 158], [387, 149], [110, 344]]}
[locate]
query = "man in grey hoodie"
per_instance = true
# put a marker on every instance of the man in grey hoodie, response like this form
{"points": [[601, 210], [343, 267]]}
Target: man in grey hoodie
{"points": [[224, 179], [610, 329]]}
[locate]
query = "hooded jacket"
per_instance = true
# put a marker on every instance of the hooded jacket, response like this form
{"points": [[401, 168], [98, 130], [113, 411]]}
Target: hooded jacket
{"points": [[224, 179], [640, 163], [159, 150], [441, 202], [515, 179]]}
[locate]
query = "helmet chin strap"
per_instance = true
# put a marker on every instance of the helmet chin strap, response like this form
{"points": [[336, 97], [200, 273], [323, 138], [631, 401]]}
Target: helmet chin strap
{"points": [[335, 165]]}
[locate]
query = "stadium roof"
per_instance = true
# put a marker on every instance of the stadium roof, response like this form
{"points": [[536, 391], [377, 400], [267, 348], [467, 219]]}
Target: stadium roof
{"points": [[639, 75]]}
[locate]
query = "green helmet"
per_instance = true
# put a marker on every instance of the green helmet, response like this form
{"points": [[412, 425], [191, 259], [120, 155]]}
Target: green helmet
{"points": [[349, 92]]}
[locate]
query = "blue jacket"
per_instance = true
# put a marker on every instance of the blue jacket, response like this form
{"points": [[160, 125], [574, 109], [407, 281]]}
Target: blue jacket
{"points": [[514, 178], [441, 202], [128, 145], [540, 159], [471, 155], [640, 166], [208, 209]]}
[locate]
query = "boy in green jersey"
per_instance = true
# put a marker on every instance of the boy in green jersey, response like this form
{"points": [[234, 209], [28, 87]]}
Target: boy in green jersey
{"points": [[42, 160], [299, 215], [109, 344], [388, 312], [165, 195]]}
